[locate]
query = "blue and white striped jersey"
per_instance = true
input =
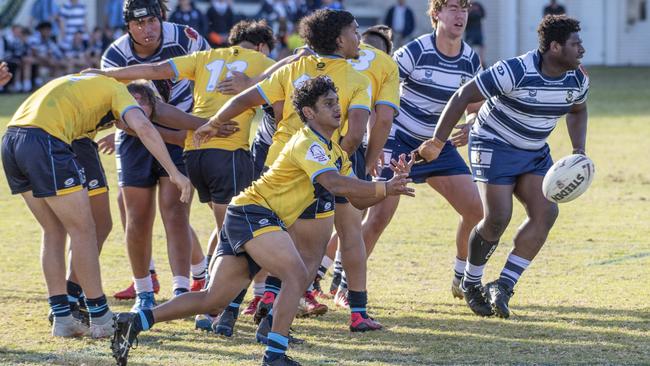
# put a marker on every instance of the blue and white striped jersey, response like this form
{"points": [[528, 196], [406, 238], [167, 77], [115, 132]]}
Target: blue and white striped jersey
{"points": [[428, 79], [267, 126], [523, 106], [178, 40], [74, 19]]}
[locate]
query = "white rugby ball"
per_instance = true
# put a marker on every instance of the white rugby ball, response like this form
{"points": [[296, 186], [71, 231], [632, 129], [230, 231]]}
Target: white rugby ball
{"points": [[568, 178]]}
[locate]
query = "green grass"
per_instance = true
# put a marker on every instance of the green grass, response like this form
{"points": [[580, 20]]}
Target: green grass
{"points": [[584, 300]]}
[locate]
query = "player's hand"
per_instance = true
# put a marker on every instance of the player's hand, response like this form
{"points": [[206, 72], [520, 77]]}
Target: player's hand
{"points": [[429, 150], [227, 129], [183, 184], [93, 71], [376, 168], [5, 75], [460, 137], [204, 133], [106, 145], [401, 166], [397, 185], [235, 83]]}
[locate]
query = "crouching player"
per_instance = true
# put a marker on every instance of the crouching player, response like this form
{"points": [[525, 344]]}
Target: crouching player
{"points": [[41, 166], [255, 235]]}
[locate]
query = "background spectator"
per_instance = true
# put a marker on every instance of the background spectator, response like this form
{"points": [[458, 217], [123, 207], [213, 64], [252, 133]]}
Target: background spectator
{"points": [[400, 18], [554, 9], [220, 19], [46, 11], [73, 20], [114, 17], [95, 48], [186, 13], [18, 59], [332, 4], [46, 54], [474, 29], [74, 52]]}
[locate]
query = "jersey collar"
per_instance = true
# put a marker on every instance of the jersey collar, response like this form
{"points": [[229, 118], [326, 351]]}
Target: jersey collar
{"points": [[321, 137]]}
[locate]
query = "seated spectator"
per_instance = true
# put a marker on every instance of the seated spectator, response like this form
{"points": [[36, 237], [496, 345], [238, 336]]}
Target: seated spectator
{"points": [[75, 54], [114, 15], [45, 11], [332, 4], [220, 19], [189, 15], [73, 19], [46, 54], [18, 58], [95, 48]]}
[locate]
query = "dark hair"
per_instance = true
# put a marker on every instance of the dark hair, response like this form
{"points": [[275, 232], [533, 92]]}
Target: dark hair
{"points": [[556, 28], [321, 28], [435, 6], [383, 32], [308, 93], [252, 31], [43, 25], [143, 87]]}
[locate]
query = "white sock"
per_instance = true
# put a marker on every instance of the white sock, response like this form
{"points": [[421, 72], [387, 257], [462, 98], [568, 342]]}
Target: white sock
{"points": [[198, 270], [459, 267], [180, 282], [327, 262], [143, 284], [258, 289], [152, 265]]}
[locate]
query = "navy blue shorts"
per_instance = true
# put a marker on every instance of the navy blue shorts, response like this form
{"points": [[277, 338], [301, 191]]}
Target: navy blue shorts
{"points": [[136, 167], [495, 162], [449, 161], [358, 161], [219, 175], [88, 157], [259, 151], [322, 207], [243, 223], [34, 160]]}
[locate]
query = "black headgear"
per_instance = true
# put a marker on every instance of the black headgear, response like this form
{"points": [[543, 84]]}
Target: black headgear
{"points": [[136, 9]]}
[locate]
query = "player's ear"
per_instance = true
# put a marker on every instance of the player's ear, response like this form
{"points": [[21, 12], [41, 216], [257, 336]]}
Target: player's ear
{"points": [[308, 112]]}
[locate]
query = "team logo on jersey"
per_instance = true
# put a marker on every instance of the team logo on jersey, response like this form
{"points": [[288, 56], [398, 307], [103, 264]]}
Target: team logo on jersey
{"points": [[428, 74], [569, 96], [191, 33], [320, 65], [463, 80], [532, 93], [235, 51], [317, 153], [263, 222]]}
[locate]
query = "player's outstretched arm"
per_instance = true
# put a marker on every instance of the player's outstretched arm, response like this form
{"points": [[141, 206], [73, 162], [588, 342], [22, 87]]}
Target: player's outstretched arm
{"points": [[576, 121], [357, 123], [138, 123], [456, 106], [170, 116], [159, 71]]}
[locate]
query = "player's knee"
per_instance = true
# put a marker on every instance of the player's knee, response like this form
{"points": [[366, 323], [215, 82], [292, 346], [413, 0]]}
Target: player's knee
{"points": [[378, 221], [104, 229], [495, 224], [547, 215], [295, 274]]}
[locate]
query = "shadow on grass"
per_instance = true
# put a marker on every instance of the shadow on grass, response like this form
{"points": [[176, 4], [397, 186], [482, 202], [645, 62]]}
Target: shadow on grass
{"points": [[18, 356]]}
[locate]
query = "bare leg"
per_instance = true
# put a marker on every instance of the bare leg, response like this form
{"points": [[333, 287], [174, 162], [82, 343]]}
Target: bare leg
{"points": [[175, 217]]}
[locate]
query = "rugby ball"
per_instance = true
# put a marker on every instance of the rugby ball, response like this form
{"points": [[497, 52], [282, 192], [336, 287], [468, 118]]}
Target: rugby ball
{"points": [[568, 178]]}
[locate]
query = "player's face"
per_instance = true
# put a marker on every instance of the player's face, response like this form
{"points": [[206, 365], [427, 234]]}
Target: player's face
{"points": [[452, 19], [349, 41], [328, 111], [145, 31], [572, 51]]}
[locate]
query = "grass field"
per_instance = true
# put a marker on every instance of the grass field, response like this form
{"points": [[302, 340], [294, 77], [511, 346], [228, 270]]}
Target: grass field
{"points": [[584, 300]]}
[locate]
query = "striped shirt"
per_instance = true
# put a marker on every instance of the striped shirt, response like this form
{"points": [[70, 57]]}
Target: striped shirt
{"points": [[178, 40], [428, 79], [74, 19], [523, 106], [267, 127]]}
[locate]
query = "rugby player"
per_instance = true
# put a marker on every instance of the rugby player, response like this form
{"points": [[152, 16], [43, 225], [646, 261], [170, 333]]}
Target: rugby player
{"points": [[509, 156]]}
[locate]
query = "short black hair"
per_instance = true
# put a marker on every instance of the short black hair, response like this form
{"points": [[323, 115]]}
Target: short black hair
{"points": [[383, 32], [308, 93], [146, 91], [43, 25], [321, 28], [252, 31], [556, 28]]}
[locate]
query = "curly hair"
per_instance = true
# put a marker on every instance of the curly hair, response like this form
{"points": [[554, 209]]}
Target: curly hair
{"points": [[146, 91], [556, 28], [252, 31], [321, 28], [308, 93], [435, 6], [383, 32]]}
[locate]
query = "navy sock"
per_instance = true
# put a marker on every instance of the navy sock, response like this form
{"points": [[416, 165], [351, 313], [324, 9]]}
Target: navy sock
{"points": [[180, 291], [272, 284], [276, 346], [514, 267], [59, 305], [97, 307], [74, 292], [236, 303], [358, 301], [270, 318], [144, 320]]}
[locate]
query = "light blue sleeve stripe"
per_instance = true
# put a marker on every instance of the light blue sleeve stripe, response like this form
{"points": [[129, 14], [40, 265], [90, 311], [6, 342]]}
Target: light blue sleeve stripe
{"points": [[259, 89], [176, 73], [128, 109], [359, 106], [313, 176], [392, 105]]}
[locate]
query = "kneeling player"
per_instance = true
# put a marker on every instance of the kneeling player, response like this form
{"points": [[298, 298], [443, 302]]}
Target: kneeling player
{"points": [[40, 165], [254, 233]]}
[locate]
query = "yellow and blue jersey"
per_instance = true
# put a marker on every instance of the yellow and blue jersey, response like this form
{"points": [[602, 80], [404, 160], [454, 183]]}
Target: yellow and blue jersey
{"points": [[353, 91], [382, 72], [287, 188], [207, 69], [74, 106]]}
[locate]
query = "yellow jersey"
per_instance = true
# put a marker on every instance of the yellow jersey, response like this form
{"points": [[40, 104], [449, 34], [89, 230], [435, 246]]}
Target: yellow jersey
{"points": [[207, 69], [74, 106], [383, 74], [353, 91], [287, 188]]}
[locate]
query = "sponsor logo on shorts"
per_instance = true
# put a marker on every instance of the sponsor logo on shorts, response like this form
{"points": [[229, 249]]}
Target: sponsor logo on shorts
{"points": [[69, 182], [328, 206], [317, 153], [93, 183], [263, 222]]}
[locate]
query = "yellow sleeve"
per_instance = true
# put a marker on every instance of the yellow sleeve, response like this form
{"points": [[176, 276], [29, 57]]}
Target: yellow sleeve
{"points": [[185, 66], [272, 89], [362, 94], [346, 166], [122, 101], [311, 157], [388, 93]]}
